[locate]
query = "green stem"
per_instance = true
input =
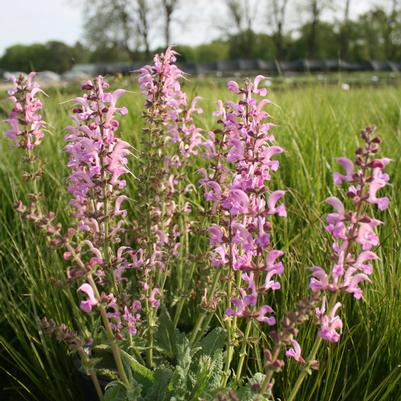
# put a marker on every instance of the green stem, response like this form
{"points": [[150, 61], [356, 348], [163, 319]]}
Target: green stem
{"points": [[198, 325], [149, 335], [243, 352], [96, 384], [109, 333], [304, 371], [269, 374], [229, 354], [181, 304]]}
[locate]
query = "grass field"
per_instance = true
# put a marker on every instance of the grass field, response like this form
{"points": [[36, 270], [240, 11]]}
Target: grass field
{"points": [[315, 124]]}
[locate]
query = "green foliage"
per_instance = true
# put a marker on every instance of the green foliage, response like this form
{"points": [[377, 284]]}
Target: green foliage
{"points": [[54, 56], [196, 372], [315, 124]]}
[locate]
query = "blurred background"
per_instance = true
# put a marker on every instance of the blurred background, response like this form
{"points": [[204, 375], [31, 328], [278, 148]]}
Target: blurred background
{"points": [[72, 38]]}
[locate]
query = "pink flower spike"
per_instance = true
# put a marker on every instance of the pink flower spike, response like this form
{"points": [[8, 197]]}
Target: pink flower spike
{"points": [[91, 301], [295, 352]]}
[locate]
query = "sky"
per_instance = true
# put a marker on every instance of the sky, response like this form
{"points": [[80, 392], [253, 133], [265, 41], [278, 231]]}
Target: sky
{"points": [[33, 21]]}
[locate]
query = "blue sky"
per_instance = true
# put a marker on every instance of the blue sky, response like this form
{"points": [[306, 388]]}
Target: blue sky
{"points": [[29, 21]]}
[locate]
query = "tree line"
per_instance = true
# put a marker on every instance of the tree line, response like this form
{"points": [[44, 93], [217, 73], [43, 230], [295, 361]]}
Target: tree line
{"points": [[121, 30]]}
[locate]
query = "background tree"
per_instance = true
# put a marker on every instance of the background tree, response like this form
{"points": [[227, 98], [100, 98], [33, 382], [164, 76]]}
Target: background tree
{"points": [[345, 31], [142, 19], [393, 25], [277, 10], [314, 9], [53, 56], [169, 7], [123, 24], [241, 18]]}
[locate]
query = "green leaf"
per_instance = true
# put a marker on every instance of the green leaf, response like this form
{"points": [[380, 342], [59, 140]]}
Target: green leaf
{"points": [[214, 341], [115, 391], [166, 334], [159, 390], [140, 373]]}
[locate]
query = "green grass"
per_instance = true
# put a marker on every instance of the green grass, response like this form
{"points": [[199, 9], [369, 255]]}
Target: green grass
{"points": [[315, 124]]}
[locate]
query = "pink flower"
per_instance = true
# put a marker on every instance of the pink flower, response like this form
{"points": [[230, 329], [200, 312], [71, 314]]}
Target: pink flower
{"points": [[374, 186], [261, 315], [273, 198], [154, 302], [295, 352], [131, 316], [270, 261], [236, 202], [362, 258], [216, 234], [91, 301], [352, 281], [330, 324], [232, 86], [319, 280], [349, 171], [257, 81], [366, 236]]}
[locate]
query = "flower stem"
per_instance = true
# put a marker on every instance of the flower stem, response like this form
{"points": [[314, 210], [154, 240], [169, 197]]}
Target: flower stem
{"points": [[109, 333], [304, 371], [198, 325], [243, 352], [96, 384]]}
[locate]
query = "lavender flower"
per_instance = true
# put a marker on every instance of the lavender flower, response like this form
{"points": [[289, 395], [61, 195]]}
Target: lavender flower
{"points": [[98, 162], [353, 231], [171, 138], [242, 239], [25, 122]]}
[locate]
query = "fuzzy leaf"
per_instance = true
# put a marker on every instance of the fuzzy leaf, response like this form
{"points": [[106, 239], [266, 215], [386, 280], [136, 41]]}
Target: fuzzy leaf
{"points": [[140, 373], [213, 342], [115, 391], [158, 391]]}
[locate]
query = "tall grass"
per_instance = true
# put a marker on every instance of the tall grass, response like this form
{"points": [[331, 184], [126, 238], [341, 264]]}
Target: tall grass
{"points": [[314, 125]]}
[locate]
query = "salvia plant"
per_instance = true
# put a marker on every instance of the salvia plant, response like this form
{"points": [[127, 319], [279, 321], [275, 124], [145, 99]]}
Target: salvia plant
{"points": [[131, 263]]}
